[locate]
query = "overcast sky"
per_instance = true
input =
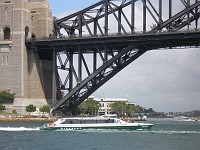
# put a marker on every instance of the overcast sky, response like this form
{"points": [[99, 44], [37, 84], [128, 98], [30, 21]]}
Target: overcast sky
{"points": [[166, 80]]}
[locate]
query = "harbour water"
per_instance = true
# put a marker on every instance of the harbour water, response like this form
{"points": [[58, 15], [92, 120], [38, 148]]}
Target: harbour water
{"points": [[166, 134]]}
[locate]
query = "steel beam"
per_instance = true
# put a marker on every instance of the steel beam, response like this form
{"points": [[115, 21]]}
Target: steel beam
{"points": [[120, 20], [54, 70], [183, 12], [144, 16], [80, 66], [196, 17], [132, 16], [95, 27], [160, 11], [80, 25], [106, 18], [170, 8]]}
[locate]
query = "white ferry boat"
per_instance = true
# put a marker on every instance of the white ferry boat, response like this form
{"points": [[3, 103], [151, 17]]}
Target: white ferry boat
{"points": [[94, 123]]}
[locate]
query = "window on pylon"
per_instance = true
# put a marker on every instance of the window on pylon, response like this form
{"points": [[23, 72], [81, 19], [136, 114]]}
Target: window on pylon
{"points": [[6, 32]]}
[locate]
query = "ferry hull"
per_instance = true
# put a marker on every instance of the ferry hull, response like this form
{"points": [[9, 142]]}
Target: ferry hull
{"points": [[146, 127]]}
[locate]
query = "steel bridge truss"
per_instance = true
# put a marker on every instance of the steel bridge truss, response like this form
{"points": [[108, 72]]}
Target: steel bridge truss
{"points": [[84, 76], [94, 20], [95, 79]]}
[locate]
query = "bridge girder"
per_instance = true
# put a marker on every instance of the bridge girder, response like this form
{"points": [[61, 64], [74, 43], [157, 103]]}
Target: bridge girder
{"points": [[109, 54]]}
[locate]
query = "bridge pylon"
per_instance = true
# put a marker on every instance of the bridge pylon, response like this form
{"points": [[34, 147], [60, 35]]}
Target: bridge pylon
{"points": [[21, 70]]}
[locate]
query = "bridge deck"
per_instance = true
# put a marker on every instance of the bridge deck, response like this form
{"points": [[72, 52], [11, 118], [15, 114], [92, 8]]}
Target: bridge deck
{"points": [[147, 41]]}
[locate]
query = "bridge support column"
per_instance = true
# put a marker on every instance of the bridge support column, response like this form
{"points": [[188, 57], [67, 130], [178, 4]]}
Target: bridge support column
{"points": [[133, 17], [54, 88], [106, 19], [170, 8], [120, 20], [160, 11], [144, 16], [80, 66]]}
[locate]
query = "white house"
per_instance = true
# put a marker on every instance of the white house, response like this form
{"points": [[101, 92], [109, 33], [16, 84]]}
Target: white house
{"points": [[105, 104]]}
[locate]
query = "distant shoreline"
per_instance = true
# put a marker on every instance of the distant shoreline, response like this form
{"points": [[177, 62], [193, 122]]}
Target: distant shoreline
{"points": [[9, 119], [49, 120]]}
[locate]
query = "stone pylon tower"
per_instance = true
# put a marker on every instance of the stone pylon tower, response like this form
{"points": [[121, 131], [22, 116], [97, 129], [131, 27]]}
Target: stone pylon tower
{"points": [[21, 71]]}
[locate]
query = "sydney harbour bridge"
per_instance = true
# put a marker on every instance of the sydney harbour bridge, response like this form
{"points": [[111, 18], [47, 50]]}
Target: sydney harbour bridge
{"points": [[112, 34]]}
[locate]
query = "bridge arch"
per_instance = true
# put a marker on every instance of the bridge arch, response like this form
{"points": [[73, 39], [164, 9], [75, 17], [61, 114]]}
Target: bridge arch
{"points": [[116, 51]]}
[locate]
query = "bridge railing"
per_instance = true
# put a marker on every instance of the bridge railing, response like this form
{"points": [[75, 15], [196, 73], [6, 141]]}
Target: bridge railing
{"points": [[140, 33]]}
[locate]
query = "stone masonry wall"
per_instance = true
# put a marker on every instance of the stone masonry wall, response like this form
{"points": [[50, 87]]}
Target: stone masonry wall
{"points": [[20, 69]]}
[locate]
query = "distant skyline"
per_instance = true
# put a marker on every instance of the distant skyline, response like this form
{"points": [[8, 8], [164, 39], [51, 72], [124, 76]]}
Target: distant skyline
{"points": [[166, 80]]}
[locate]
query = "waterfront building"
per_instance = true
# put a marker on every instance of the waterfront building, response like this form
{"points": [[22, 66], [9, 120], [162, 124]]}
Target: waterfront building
{"points": [[105, 104]]}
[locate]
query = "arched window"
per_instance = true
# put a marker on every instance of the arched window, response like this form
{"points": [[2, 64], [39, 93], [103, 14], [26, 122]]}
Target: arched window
{"points": [[6, 33]]}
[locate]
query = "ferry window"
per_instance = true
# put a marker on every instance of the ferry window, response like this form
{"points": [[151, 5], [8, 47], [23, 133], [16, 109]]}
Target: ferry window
{"points": [[6, 33], [110, 120]]}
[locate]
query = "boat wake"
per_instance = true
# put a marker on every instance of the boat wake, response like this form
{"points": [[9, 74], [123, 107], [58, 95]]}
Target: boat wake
{"points": [[18, 129], [175, 132], [103, 130]]}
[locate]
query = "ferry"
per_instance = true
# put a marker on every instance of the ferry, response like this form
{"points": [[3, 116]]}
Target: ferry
{"points": [[94, 123]]}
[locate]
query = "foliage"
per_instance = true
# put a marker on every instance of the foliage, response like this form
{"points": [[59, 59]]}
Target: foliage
{"points": [[91, 107], [81, 109], [30, 108], [45, 109], [118, 108], [14, 112], [121, 109], [2, 108], [6, 97]]}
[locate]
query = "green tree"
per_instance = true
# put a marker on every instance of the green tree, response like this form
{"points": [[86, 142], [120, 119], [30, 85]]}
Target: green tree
{"points": [[14, 112], [150, 110], [137, 109], [91, 106], [2, 108], [30, 108], [119, 108], [6, 97], [130, 109], [45, 109], [81, 109]]}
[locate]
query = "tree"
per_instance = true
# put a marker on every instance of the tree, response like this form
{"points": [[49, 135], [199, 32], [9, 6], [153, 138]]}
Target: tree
{"points": [[81, 109], [130, 109], [6, 97], [2, 108], [45, 109], [91, 106], [30, 108], [14, 111], [119, 108]]}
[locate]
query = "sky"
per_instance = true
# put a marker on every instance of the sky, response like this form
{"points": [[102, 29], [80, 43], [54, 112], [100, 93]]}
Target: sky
{"points": [[165, 80]]}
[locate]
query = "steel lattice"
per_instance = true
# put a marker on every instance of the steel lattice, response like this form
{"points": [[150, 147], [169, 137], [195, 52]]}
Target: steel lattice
{"points": [[109, 52]]}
